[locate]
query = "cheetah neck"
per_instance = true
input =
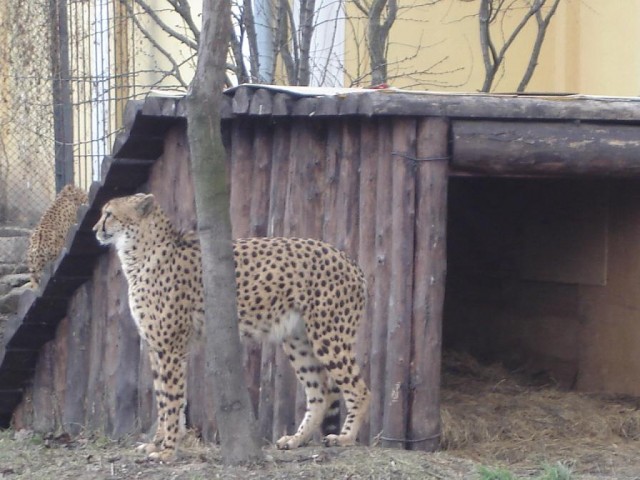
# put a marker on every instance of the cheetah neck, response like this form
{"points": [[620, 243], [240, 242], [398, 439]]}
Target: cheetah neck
{"points": [[139, 248]]}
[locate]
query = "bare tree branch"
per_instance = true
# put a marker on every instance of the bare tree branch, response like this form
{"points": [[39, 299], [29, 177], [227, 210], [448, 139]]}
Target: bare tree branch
{"points": [[378, 29], [249, 23], [307, 11], [286, 24], [155, 44], [236, 36], [183, 8], [163, 25], [543, 24], [490, 11]]}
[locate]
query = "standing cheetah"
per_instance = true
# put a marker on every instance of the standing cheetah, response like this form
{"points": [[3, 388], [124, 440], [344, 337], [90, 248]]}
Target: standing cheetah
{"points": [[303, 293]]}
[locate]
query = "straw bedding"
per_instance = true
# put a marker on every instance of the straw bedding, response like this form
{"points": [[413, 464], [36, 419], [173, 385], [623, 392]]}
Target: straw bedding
{"points": [[490, 414]]}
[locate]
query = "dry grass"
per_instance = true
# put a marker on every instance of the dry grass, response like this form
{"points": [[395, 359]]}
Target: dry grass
{"points": [[25, 456], [492, 416]]}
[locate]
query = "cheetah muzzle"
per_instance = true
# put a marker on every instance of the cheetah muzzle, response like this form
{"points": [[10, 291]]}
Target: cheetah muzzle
{"points": [[303, 293]]}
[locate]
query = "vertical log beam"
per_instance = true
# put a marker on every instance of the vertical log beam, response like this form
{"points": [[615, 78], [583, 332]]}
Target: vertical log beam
{"points": [[332, 174], [73, 409], [366, 248], [382, 275], [241, 159], [260, 185], [401, 291], [347, 194], [430, 265], [258, 196], [273, 421], [96, 409], [288, 183], [304, 213]]}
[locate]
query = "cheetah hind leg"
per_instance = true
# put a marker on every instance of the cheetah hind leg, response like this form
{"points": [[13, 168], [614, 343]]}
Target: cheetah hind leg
{"points": [[313, 376], [356, 396], [331, 421]]}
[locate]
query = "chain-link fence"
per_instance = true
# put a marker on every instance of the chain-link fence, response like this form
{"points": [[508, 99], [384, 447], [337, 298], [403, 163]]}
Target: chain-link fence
{"points": [[68, 68]]}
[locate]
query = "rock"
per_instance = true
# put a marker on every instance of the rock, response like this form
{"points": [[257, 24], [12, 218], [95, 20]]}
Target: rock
{"points": [[14, 280], [8, 231], [9, 302], [11, 268], [13, 249]]}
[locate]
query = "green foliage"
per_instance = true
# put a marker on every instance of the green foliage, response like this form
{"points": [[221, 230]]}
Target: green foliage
{"points": [[486, 473], [559, 471]]}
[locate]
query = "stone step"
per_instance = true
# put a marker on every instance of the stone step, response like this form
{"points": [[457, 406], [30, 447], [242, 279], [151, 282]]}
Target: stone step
{"points": [[12, 268], [12, 231], [9, 302], [11, 281], [13, 249]]}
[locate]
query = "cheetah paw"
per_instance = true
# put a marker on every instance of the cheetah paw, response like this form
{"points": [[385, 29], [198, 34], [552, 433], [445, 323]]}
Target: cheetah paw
{"points": [[288, 442], [147, 448], [165, 456], [338, 441]]}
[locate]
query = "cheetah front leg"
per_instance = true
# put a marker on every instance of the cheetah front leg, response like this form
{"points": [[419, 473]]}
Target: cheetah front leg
{"points": [[158, 389], [313, 376], [172, 399]]}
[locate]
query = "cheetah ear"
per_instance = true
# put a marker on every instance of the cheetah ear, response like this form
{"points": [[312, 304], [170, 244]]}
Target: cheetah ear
{"points": [[145, 205]]}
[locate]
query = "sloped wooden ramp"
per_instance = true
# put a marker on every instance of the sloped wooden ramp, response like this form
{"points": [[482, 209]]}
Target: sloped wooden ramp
{"points": [[40, 312]]}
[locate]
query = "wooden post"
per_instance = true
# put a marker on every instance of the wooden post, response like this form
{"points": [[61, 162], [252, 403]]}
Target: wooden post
{"points": [[257, 193], [366, 248], [340, 205], [347, 194], [96, 409], [273, 421], [78, 363], [260, 186], [396, 411], [332, 174], [430, 264], [380, 291], [303, 214], [283, 179], [241, 158]]}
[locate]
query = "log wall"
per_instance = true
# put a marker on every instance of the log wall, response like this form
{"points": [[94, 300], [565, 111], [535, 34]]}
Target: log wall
{"points": [[355, 183]]}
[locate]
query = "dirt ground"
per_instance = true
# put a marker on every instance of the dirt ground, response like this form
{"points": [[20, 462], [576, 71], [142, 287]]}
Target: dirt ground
{"points": [[491, 418], [32, 458], [27, 456]]}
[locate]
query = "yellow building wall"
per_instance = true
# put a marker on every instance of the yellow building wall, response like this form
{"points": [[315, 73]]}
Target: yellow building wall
{"points": [[591, 47]]}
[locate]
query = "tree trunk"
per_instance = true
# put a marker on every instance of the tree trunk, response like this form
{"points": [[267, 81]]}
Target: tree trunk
{"points": [[236, 421]]}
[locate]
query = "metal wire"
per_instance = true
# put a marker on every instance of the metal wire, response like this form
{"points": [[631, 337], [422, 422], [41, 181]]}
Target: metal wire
{"points": [[109, 63]]}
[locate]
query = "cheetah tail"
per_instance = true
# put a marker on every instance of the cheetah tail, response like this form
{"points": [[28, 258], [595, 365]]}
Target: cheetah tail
{"points": [[331, 421]]}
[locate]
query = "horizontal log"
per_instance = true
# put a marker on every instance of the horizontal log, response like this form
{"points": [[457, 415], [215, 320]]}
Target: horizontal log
{"points": [[451, 105], [536, 148], [499, 106]]}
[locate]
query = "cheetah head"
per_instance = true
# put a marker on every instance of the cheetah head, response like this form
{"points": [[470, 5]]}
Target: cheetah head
{"points": [[122, 216]]}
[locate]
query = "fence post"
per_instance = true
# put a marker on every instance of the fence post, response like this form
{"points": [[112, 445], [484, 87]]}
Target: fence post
{"points": [[61, 94]]}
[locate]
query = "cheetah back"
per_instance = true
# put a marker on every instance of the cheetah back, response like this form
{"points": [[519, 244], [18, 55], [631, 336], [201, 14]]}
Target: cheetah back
{"points": [[47, 239]]}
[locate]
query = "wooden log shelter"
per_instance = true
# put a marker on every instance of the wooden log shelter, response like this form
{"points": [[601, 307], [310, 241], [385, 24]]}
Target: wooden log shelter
{"points": [[396, 179]]}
